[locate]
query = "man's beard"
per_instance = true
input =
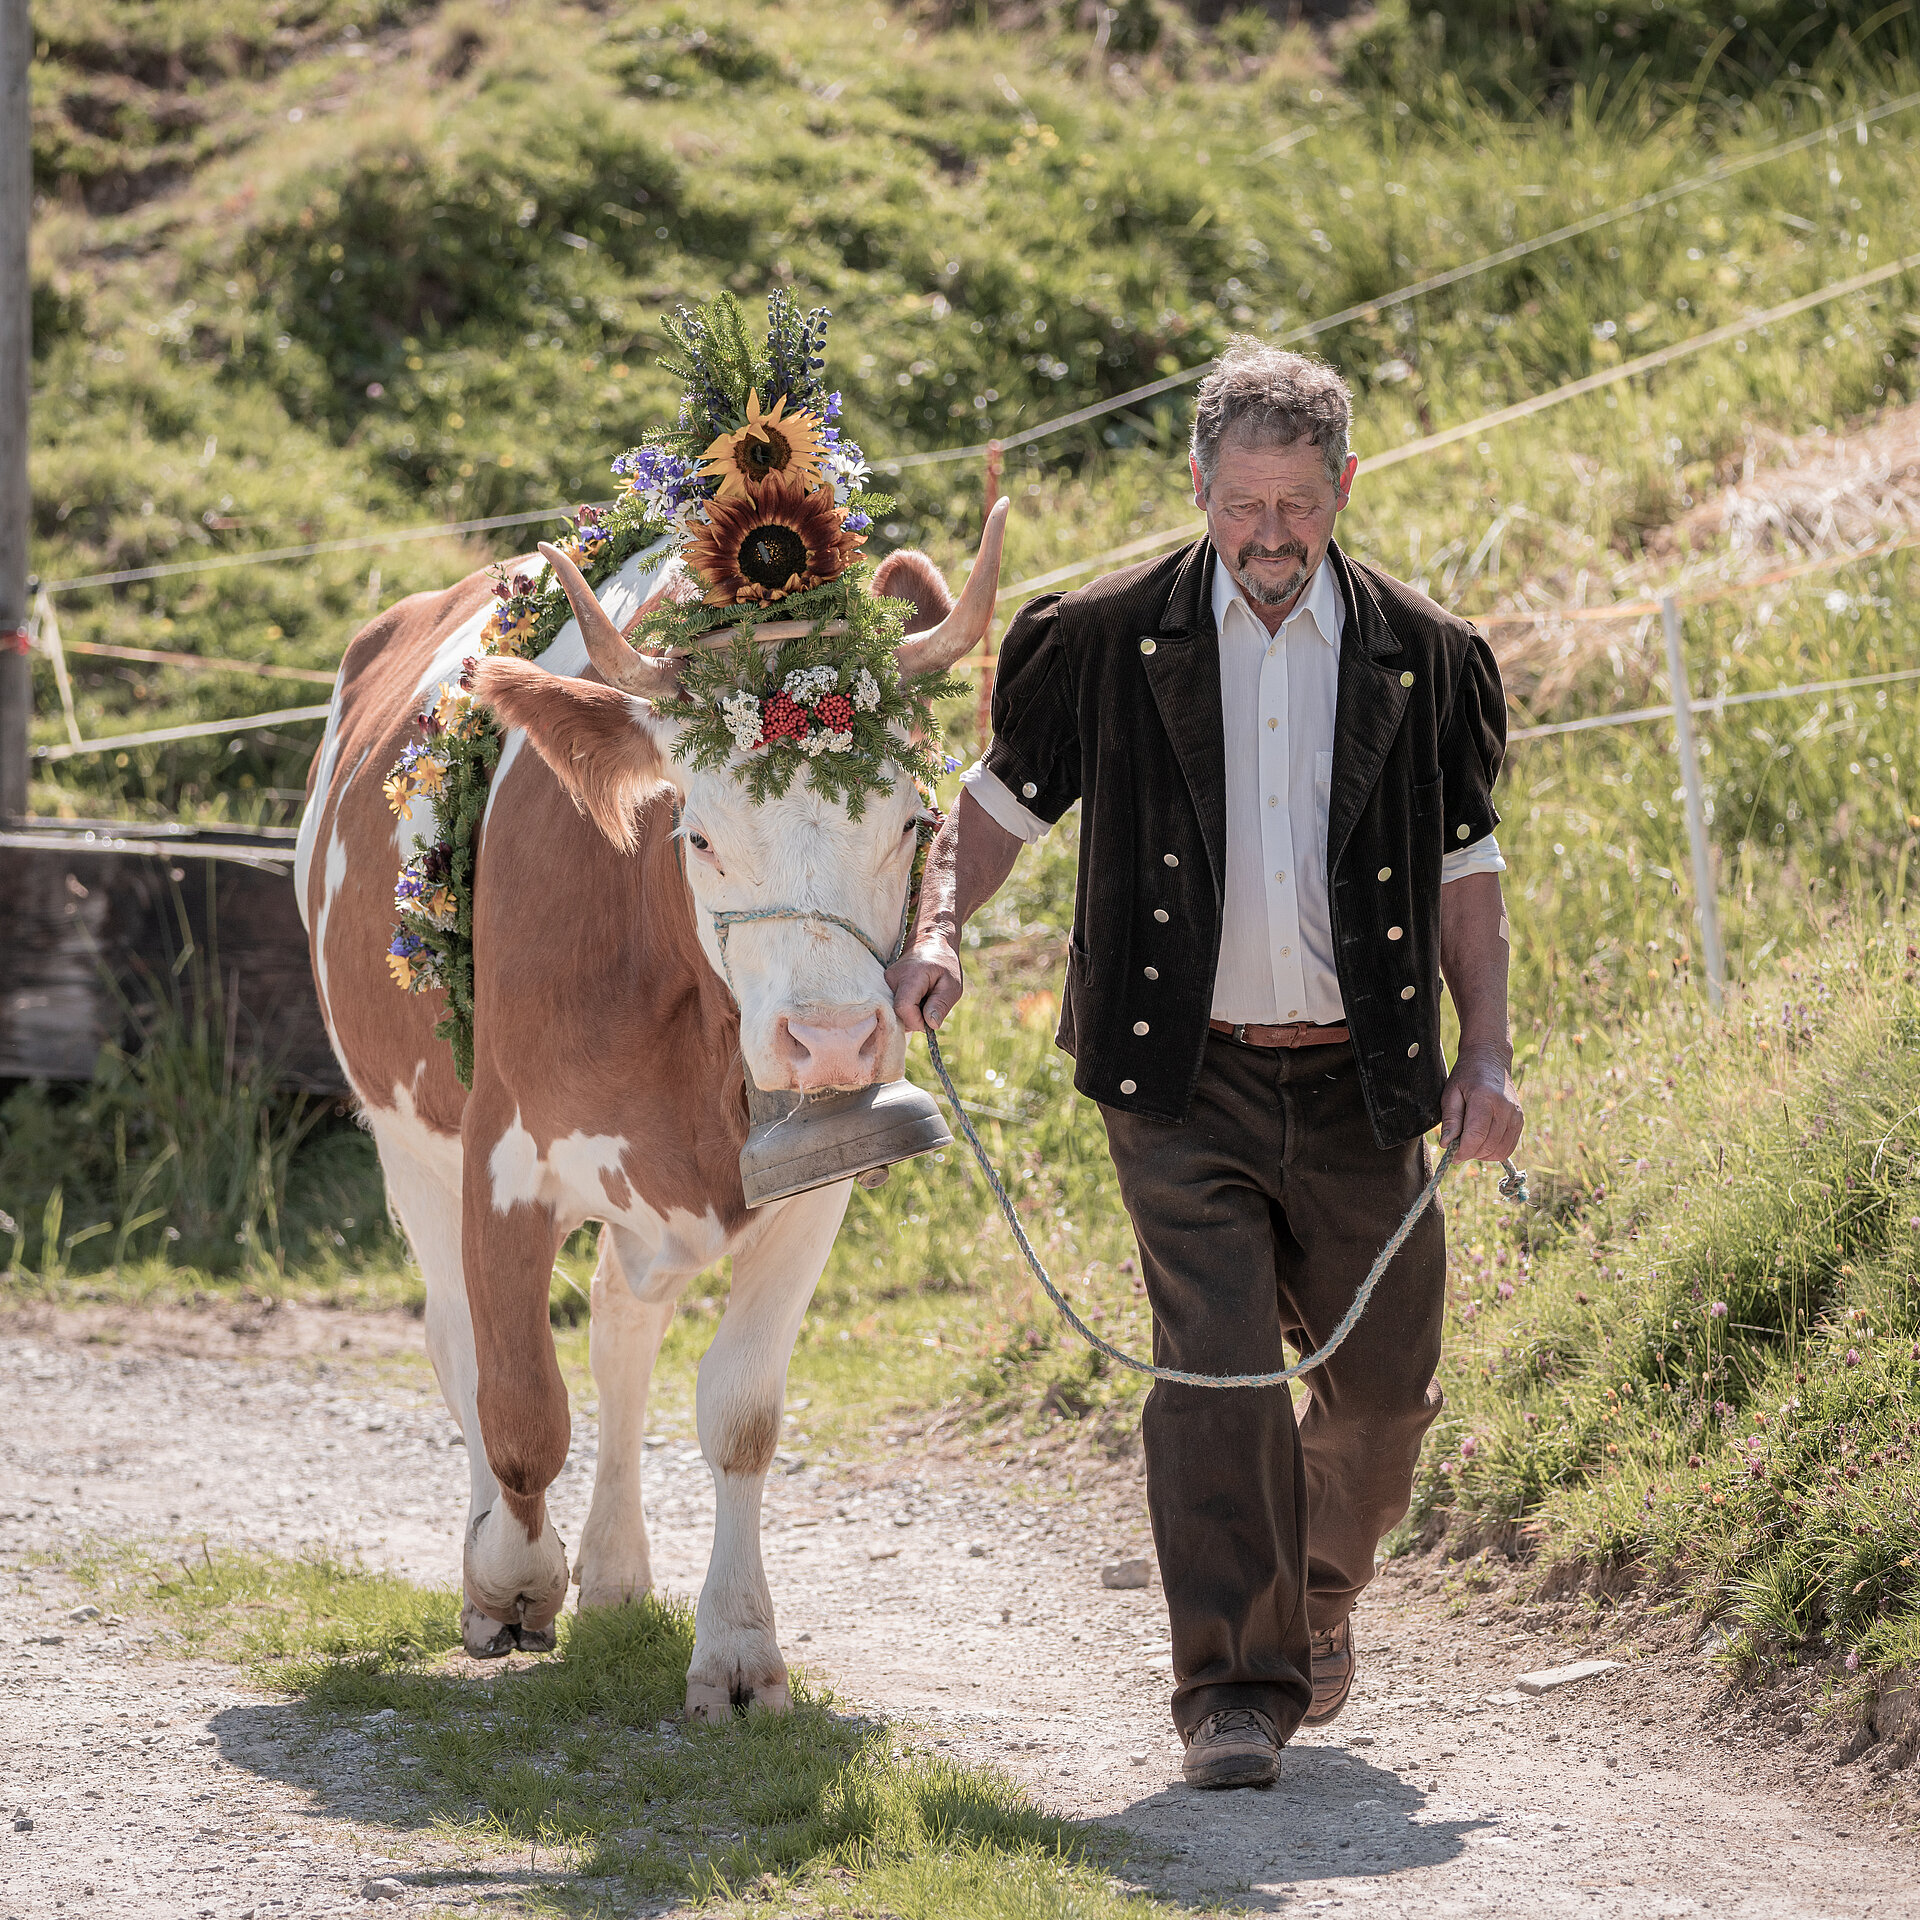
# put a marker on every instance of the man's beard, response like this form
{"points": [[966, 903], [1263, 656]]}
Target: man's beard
{"points": [[1259, 592]]}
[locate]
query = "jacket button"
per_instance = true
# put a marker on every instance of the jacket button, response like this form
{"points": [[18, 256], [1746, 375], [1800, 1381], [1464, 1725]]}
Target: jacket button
{"points": [[1172, 859], [1028, 791], [1160, 914], [1385, 873], [1394, 933], [1146, 646], [1461, 832], [1127, 1086], [1413, 1051], [1140, 1026], [1153, 973], [1406, 679], [1406, 993]]}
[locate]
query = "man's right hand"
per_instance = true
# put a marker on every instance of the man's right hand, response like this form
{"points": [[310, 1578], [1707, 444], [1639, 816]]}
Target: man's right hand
{"points": [[927, 984]]}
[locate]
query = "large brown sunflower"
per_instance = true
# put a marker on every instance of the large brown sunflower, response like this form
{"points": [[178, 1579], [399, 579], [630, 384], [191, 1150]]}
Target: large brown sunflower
{"points": [[779, 442], [759, 548]]}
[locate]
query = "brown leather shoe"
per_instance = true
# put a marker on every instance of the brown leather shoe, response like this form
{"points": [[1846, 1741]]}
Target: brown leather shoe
{"points": [[1333, 1665], [1236, 1747]]}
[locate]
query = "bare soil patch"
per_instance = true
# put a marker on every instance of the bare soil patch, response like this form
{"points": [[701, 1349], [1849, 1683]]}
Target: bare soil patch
{"points": [[952, 1588]]}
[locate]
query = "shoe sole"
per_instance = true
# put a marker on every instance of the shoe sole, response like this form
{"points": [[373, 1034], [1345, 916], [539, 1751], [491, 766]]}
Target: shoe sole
{"points": [[1239, 1770], [1321, 1716]]}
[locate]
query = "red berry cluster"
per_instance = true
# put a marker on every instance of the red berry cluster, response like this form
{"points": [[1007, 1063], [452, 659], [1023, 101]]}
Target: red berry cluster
{"points": [[835, 713], [782, 717]]}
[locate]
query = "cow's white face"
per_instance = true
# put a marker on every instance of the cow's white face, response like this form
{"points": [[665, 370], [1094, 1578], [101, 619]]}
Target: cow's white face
{"points": [[815, 1011]]}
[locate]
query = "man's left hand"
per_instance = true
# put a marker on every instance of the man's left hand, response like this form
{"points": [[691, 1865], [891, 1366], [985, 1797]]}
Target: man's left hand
{"points": [[1480, 1117]]}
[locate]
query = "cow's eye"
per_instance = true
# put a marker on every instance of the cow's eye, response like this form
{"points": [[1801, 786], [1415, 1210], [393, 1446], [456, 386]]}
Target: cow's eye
{"points": [[700, 841]]}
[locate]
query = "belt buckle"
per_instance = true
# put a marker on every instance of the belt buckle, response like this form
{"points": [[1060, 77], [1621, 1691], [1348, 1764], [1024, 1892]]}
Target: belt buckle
{"points": [[1240, 1033]]}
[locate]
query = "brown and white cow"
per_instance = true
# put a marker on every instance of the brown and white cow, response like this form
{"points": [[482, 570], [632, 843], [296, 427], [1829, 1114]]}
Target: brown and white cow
{"points": [[607, 1077]]}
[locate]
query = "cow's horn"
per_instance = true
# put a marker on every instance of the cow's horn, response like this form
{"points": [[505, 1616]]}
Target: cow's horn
{"points": [[650, 677], [936, 650]]}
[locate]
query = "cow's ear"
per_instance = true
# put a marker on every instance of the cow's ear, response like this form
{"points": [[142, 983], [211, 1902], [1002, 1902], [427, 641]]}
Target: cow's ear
{"points": [[598, 741]]}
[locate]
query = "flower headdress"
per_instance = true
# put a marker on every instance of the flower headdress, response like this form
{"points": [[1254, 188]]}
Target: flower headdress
{"points": [[768, 503]]}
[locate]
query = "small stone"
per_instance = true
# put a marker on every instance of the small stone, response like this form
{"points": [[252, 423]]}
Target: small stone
{"points": [[382, 1890], [50, 1640], [883, 1553], [1138, 1759], [1548, 1678], [21, 1823], [84, 1613], [977, 1549], [1127, 1573]]}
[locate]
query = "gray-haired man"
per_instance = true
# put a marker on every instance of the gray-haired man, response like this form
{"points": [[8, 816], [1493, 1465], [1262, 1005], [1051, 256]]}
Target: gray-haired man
{"points": [[1285, 761]]}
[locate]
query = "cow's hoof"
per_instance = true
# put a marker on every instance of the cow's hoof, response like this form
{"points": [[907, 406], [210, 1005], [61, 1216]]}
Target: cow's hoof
{"points": [[538, 1639], [513, 1580], [484, 1637], [710, 1702]]}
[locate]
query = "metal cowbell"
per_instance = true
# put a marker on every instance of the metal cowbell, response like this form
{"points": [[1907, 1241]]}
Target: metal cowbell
{"points": [[799, 1141]]}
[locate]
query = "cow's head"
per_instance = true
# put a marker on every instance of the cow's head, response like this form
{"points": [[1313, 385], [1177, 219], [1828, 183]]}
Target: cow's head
{"points": [[815, 1012]]}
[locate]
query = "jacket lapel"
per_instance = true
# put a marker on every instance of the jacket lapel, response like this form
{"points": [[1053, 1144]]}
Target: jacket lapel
{"points": [[1370, 705], [1183, 669]]}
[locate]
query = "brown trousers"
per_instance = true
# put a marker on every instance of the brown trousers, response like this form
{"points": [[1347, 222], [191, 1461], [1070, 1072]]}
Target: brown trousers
{"points": [[1257, 1219]]}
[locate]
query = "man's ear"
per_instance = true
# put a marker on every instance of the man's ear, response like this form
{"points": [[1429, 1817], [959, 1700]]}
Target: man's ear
{"points": [[598, 741]]}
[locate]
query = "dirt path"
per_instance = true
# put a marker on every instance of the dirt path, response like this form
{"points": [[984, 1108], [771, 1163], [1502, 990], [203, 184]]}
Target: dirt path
{"points": [[961, 1599]]}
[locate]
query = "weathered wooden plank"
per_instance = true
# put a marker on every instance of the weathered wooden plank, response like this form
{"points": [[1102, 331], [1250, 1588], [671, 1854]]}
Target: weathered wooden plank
{"points": [[96, 916]]}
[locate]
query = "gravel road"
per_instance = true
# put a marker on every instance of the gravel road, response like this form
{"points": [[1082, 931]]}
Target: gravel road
{"points": [[957, 1594]]}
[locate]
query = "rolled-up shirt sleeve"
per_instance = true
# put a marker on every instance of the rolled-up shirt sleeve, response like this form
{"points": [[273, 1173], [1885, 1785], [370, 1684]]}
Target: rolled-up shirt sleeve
{"points": [[1484, 856], [1035, 751], [991, 791], [1471, 750]]}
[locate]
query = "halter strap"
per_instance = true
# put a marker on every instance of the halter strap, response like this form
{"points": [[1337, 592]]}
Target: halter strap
{"points": [[925, 825]]}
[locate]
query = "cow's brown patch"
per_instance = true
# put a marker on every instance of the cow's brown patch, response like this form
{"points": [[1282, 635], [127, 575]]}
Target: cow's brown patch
{"points": [[586, 731], [747, 1444]]}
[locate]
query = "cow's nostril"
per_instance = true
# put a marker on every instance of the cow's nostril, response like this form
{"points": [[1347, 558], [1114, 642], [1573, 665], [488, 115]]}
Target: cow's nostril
{"points": [[827, 1054]]}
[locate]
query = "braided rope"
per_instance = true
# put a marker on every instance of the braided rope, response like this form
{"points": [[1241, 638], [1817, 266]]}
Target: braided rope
{"points": [[1513, 1187]]}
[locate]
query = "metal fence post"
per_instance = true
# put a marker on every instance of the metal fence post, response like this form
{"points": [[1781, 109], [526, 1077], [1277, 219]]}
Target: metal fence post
{"points": [[16, 347], [1706, 906]]}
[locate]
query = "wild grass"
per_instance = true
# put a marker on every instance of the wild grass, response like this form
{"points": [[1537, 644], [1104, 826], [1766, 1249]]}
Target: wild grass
{"points": [[584, 1756], [1703, 1359]]}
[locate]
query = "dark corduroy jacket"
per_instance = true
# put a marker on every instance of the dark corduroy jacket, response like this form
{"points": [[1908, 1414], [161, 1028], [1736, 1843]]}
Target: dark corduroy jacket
{"points": [[1111, 696]]}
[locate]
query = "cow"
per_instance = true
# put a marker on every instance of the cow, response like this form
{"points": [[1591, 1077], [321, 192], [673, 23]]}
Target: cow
{"points": [[610, 1032]]}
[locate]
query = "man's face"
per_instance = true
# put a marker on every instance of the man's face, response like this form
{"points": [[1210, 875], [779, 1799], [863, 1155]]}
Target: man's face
{"points": [[1270, 513]]}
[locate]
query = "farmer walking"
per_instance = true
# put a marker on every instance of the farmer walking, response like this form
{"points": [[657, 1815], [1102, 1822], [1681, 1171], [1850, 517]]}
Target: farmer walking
{"points": [[1285, 761]]}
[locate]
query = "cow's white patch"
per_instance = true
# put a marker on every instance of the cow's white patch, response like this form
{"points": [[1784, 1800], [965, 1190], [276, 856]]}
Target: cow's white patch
{"points": [[514, 1168], [582, 1161], [334, 879], [308, 838]]}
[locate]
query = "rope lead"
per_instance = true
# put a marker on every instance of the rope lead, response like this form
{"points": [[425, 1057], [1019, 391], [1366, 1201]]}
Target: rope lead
{"points": [[1512, 1187]]}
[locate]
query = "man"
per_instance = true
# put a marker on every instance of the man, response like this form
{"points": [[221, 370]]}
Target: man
{"points": [[1285, 762]]}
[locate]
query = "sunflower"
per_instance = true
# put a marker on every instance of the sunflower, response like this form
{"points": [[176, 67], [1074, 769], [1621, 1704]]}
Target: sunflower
{"points": [[761, 547], [776, 443]]}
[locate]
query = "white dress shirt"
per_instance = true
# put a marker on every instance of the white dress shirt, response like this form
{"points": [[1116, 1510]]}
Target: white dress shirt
{"points": [[1277, 698]]}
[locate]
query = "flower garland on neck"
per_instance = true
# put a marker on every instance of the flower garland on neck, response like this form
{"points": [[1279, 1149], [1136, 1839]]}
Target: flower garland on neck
{"points": [[768, 505]]}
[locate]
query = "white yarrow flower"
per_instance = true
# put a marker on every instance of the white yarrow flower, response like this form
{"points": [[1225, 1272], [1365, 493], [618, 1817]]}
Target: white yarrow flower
{"points": [[837, 742], [808, 684], [866, 691]]}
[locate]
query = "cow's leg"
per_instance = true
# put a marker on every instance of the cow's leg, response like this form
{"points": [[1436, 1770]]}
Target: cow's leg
{"points": [[423, 1187], [633, 1300], [515, 1569], [743, 1382]]}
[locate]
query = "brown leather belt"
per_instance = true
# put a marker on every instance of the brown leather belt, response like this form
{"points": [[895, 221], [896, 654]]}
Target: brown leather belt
{"points": [[1303, 1033]]}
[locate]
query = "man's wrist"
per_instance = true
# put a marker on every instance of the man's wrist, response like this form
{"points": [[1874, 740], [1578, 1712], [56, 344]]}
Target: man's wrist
{"points": [[1496, 1052]]}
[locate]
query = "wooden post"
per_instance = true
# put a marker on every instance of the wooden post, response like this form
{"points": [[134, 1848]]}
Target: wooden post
{"points": [[983, 697], [1706, 906], [16, 348]]}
